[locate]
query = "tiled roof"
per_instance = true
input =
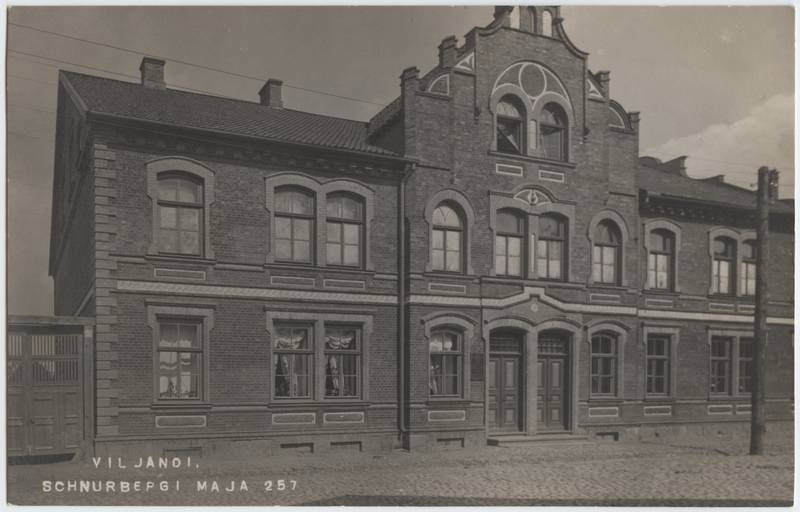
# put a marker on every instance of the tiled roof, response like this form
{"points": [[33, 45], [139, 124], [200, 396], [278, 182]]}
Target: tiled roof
{"points": [[673, 183], [237, 117]]}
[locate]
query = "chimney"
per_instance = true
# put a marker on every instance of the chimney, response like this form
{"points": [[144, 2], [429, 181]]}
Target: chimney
{"points": [[447, 52], [270, 94], [604, 79], [409, 85], [502, 15], [152, 73]]}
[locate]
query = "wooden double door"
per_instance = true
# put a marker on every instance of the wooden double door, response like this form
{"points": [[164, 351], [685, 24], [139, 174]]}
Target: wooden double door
{"points": [[506, 382]]}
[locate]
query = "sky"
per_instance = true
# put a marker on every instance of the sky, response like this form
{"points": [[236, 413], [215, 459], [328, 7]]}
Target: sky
{"points": [[713, 83]]}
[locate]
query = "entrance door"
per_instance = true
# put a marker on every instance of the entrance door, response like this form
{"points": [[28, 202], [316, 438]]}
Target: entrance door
{"points": [[552, 402], [505, 385], [45, 406]]}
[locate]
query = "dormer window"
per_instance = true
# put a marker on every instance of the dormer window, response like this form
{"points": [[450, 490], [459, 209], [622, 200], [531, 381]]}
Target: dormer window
{"points": [[510, 122], [553, 132]]}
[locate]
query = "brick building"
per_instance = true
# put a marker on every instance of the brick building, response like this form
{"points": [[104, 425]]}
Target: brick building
{"points": [[487, 255]]}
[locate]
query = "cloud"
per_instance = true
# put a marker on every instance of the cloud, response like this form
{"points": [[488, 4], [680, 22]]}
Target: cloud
{"points": [[765, 136]]}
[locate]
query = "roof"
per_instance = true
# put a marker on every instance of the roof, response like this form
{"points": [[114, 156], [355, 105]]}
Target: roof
{"points": [[205, 112], [672, 181]]}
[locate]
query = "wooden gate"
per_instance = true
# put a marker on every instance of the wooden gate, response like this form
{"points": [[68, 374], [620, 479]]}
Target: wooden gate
{"points": [[46, 392]]}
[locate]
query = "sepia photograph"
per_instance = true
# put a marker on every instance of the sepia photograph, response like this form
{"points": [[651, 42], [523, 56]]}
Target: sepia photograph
{"points": [[369, 255]]}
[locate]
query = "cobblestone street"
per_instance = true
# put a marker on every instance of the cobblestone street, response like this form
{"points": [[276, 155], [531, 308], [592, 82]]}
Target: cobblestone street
{"points": [[685, 470]]}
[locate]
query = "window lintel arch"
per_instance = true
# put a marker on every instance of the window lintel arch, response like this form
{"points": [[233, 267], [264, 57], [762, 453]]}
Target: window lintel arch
{"points": [[452, 196], [567, 324], [608, 215], [194, 170], [506, 90], [506, 322], [455, 319], [600, 326]]}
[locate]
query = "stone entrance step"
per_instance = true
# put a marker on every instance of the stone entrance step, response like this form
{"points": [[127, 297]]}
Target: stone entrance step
{"points": [[507, 440]]}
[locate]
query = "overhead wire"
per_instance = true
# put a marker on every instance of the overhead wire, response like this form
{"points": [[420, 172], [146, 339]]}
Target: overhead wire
{"points": [[193, 64], [251, 77]]}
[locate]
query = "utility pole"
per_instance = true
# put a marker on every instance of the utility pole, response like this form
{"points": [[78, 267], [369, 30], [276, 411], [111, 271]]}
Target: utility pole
{"points": [[767, 192]]}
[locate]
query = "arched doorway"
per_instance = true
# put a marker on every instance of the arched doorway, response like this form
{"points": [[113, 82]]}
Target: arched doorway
{"points": [[553, 381], [506, 381]]}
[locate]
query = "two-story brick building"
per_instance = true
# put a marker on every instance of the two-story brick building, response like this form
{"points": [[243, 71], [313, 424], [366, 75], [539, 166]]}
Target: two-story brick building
{"points": [[487, 255]]}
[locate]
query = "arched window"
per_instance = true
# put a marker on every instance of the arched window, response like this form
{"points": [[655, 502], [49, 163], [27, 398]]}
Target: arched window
{"points": [[180, 214], [445, 349], [345, 227], [661, 260], [723, 265], [747, 279], [509, 243], [510, 125], [604, 365], [553, 132], [294, 225], [606, 253], [551, 247], [447, 245]]}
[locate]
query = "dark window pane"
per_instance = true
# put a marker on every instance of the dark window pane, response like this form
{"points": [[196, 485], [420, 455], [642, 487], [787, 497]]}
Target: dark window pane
{"points": [[509, 135], [509, 222]]}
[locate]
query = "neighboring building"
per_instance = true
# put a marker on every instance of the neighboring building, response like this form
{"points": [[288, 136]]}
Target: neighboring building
{"points": [[487, 255]]}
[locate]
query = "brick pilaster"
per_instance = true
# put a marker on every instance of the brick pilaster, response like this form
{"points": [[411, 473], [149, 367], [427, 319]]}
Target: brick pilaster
{"points": [[105, 229]]}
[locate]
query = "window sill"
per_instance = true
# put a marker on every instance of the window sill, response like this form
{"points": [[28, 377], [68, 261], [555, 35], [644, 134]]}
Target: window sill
{"points": [[604, 400], [180, 259], [659, 399], [180, 405], [663, 293], [447, 275], [280, 265], [529, 158], [454, 401], [296, 403], [729, 398], [610, 287]]}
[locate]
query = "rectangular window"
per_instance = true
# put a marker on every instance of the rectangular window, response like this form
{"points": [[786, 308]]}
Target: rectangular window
{"points": [[604, 365], [658, 364], [293, 351], [721, 277], [445, 363], [720, 379], [748, 280], [293, 239], [604, 264], [746, 365], [344, 244], [549, 259], [180, 359], [508, 255], [658, 271], [342, 362]]}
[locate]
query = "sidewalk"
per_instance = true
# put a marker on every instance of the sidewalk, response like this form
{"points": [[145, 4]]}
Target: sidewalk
{"points": [[667, 471]]}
